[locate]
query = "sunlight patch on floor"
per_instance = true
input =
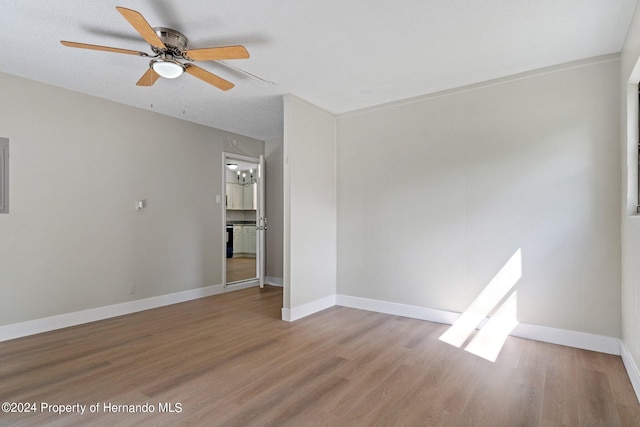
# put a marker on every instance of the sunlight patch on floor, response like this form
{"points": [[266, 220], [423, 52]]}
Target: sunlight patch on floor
{"points": [[489, 340], [498, 297]]}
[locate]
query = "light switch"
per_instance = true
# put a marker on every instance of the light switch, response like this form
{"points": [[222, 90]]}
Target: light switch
{"points": [[218, 198]]}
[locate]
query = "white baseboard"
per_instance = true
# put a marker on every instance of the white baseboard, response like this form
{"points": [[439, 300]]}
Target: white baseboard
{"points": [[274, 281], [632, 369], [304, 310], [581, 340], [241, 285], [575, 339], [31, 327], [404, 310]]}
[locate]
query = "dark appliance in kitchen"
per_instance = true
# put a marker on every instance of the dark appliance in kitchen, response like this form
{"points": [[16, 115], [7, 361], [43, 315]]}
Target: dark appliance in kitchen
{"points": [[229, 241]]}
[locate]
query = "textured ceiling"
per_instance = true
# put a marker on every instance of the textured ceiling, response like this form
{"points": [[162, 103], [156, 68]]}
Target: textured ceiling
{"points": [[341, 55]]}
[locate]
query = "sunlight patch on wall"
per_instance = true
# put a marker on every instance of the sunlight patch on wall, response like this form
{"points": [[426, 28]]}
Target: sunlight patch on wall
{"points": [[498, 297]]}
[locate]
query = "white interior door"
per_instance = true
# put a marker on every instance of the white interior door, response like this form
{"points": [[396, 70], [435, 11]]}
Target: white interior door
{"points": [[261, 224], [244, 250]]}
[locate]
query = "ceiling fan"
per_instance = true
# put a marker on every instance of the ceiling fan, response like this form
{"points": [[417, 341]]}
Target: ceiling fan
{"points": [[169, 47]]}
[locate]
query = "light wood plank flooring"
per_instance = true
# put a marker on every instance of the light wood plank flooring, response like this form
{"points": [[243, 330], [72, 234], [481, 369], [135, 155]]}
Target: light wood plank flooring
{"points": [[228, 360], [240, 268]]}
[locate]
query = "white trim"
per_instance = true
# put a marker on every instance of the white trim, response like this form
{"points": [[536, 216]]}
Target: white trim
{"points": [[575, 339], [422, 313], [632, 369], [31, 327], [304, 310], [236, 286], [274, 281], [582, 340]]}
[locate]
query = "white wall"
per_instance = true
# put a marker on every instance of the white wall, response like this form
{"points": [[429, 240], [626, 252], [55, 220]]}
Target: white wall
{"points": [[436, 194], [274, 165], [630, 220], [72, 240], [309, 204]]}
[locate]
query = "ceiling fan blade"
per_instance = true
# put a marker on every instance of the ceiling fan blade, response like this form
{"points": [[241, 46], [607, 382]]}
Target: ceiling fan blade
{"points": [[103, 48], [148, 78], [141, 25], [208, 77], [217, 53]]}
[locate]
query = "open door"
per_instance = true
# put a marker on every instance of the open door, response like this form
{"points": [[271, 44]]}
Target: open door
{"points": [[261, 224], [244, 221]]}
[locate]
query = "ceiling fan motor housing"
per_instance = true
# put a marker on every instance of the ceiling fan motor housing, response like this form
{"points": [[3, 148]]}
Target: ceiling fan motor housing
{"points": [[175, 41]]}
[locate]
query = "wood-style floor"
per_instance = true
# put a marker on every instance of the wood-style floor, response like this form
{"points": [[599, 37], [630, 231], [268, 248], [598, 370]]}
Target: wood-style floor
{"points": [[228, 360], [240, 268]]}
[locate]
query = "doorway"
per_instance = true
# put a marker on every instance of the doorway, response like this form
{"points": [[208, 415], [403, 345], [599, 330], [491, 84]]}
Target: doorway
{"points": [[244, 222]]}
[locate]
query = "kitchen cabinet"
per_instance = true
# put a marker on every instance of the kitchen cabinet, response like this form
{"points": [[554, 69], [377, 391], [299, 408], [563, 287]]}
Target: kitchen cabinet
{"points": [[241, 198], [238, 246], [249, 197], [234, 196], [250, 239], [244, 240]]}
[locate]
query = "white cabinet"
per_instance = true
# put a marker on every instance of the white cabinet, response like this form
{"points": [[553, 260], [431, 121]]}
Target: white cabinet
{"points": [[241, 198], [234, 196], [238, 246], [244, 240], [250, 239], [249, 197]]}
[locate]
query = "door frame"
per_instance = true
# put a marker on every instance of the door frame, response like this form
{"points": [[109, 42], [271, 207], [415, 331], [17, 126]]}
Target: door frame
{"points": [[258, 280]]}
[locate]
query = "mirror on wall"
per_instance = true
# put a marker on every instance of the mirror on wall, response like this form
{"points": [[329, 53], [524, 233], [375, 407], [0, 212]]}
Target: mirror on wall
{"points": [[241, 204]]}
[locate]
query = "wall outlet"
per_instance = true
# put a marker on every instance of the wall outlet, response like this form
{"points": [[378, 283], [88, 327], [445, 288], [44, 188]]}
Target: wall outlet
{"points": [[132, 288]]}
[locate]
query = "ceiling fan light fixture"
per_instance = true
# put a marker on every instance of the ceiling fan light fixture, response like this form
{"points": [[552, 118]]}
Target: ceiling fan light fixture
{"points": [[167, 68]]}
